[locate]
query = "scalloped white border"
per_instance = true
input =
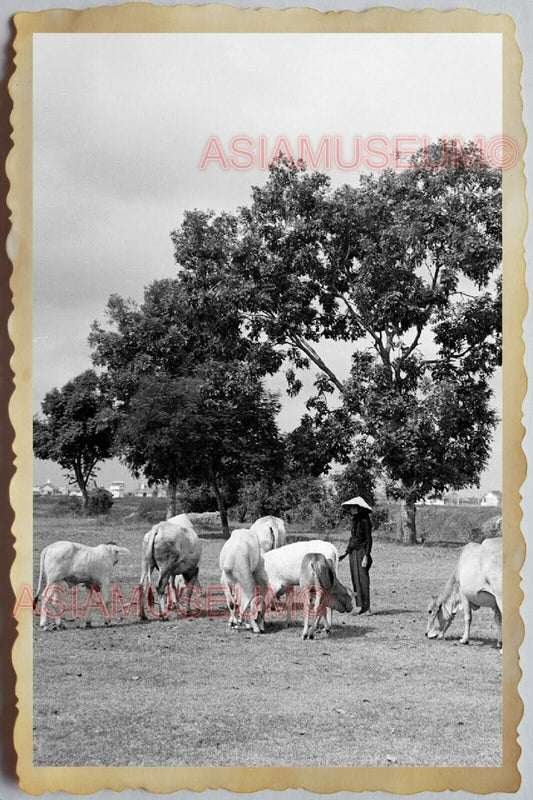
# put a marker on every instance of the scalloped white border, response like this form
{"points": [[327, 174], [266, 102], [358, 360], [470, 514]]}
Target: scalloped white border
{"points": [[144, 18]]}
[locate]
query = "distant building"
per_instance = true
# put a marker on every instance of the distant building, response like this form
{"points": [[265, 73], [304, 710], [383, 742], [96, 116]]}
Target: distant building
{"points": [[48, 489], [451, 499], [493, 498], [469, 501], [117, 488], [155, 490], [36, 491], [143, 490]]}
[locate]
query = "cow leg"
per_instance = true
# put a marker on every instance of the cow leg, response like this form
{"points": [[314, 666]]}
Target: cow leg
{"points": [[249, 600], [105, 591], [467, 611], [49, 595], [230, 600], [44, 616], [311, 605], [498, 621], [314, 602], [172, 592], [162, 585], [188, 583], [145, 582], [327, 620], [232, 606]]}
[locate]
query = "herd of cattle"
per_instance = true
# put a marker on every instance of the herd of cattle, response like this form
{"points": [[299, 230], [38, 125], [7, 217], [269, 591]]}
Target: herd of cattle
{"points": [[257, 568]]}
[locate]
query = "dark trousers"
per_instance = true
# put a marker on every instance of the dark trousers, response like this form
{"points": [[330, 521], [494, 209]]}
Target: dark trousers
{"points": [[360, 578]]}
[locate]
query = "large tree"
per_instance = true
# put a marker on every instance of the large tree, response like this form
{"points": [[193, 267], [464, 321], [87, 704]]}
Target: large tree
{"points": [[405, 267], [189, 391], [215, 429], [77, 428]]}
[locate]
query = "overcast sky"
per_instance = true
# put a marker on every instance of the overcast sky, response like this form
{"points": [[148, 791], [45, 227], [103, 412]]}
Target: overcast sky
{"points": [[121, 122]]}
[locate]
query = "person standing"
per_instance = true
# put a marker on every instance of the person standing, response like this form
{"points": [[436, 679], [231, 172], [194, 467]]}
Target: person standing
{"points": [[359, 551]]}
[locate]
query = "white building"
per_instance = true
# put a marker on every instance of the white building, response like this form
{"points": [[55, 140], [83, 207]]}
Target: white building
{"points": [[47, 489], [493, 498], [117, 488]]}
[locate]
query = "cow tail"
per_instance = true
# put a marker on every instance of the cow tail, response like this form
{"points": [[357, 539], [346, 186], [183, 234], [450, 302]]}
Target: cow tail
{"points": [[273, 541], [148, 558], [152, 549], [41, 564]]}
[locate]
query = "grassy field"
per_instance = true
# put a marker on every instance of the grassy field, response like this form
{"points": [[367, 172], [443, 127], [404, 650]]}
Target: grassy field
{"points": [[192, 692]]}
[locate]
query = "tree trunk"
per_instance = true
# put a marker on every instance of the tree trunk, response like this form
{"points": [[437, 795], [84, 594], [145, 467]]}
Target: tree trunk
{"points": [[171, 499], [408, 522], [85, 494], [221, 506], [82, 483]]}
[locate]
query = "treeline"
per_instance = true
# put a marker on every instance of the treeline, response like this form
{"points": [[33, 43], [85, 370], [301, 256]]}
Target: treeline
{"points": [[404, 268]]}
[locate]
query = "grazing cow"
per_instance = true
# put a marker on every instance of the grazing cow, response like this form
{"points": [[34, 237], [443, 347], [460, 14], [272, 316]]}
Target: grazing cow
{"points": [[271, 532], [282, 566], [173, 548], [241, 564], [476, 581], [74, 563], [323, 591]]}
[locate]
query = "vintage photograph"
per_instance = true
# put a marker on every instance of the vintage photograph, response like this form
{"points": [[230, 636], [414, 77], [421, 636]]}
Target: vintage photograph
{"points": [[267, 400]]}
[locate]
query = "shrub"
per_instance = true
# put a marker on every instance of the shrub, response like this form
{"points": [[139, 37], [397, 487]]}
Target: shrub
{"points": [[380, 516], [68, 506], [100, 502], [195, 498], [152, 509]]}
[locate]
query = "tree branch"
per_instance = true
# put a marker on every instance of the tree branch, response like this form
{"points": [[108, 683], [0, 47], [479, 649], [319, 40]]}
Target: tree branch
{"points": [[311, 353]]}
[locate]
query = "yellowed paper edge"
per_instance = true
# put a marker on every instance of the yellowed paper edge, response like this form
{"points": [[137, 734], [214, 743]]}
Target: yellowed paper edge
{"points": [[137, 17]]}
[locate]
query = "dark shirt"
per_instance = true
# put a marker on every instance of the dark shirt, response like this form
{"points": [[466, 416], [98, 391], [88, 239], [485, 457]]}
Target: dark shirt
{"points": [[361, 535]]}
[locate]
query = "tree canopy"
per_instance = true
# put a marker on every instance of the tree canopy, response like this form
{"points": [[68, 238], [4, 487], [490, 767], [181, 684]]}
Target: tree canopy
{"points": [[77, 429], [405, 267], [192, 404]]}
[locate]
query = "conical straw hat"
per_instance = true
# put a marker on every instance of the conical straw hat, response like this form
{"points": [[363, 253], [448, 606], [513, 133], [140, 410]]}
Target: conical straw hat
{"points": [[357, 501]]}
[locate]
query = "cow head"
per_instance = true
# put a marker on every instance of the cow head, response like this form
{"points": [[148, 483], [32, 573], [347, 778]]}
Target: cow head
{"points": [[115, 551], [341, 599], [440, 617]]}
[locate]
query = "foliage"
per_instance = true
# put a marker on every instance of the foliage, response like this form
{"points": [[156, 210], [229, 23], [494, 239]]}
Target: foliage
{"points": [[78, 428], [298, 499], [189, 386], [197, 498], [380, 516], [358, 478], [100, 502], [406, 267]]}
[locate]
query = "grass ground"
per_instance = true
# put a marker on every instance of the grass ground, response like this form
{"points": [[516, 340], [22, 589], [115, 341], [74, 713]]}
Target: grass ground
{"points": [[192, 692]]}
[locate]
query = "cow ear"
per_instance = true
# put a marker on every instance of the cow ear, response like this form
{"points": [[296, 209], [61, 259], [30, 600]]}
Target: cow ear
{"points": [[123, 550]]}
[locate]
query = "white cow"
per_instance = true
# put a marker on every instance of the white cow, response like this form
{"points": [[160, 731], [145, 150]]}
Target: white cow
{"points": [[73, 563], [271, 532], [323, 591], [173, 548], [476, 581], [282, 566], [241, 565]]}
